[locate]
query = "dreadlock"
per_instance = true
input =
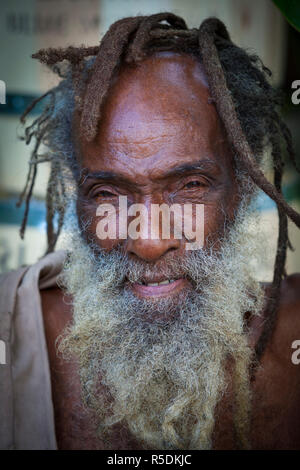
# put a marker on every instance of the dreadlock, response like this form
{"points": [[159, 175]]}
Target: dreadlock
{"points": [[245, 101]]}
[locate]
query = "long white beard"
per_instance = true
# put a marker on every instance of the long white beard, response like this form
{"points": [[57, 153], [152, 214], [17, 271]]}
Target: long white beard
{"points": [[163, 379]]}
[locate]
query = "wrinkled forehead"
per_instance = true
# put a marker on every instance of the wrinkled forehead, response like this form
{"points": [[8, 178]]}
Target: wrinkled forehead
{"points": [[165, 96]]}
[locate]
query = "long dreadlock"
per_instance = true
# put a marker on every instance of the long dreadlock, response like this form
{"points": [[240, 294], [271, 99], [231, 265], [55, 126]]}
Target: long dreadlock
{"points": [[239, 86]]}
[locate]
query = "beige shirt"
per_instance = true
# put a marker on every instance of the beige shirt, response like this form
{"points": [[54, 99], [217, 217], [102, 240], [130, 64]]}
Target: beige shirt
{"points": [[26, 407]]}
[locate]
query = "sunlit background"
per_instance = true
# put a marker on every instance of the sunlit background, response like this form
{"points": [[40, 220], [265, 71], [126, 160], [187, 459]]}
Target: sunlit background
{"points": [[28, 25]]}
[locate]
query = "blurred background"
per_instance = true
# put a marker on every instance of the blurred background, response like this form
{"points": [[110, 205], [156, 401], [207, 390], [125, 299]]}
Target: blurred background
{"points": [[28, 25]]}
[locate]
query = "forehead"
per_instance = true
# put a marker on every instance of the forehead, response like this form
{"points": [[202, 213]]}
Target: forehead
{"points": [[158, 114]]}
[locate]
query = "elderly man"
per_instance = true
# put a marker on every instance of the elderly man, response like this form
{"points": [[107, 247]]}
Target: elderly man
{"points": [[140, 342]]}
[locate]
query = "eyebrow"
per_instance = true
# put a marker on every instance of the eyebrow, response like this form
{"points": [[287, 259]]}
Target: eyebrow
{"points": [[100, 175], [204, 165]]}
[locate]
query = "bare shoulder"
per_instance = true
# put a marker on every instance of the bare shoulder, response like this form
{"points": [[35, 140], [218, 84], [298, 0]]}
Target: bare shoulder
{"points": [[57, 311], [57, 314], [290, 298], [288, 317]]}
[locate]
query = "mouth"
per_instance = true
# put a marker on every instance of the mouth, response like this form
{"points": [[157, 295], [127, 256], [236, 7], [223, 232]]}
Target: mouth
{"points": [[159, 288]]}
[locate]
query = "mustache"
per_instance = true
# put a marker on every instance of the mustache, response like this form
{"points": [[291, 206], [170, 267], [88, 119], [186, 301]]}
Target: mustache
{"points": [[127, 270], [139, 271], [117, 267]]}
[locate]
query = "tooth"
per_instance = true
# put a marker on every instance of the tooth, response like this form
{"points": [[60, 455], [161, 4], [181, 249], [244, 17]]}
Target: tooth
{"points": [[162, 283], [152, 284]]}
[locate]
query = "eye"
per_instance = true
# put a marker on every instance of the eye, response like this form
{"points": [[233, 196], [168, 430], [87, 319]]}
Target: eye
{"points": [[103, 193], [193, 184]]}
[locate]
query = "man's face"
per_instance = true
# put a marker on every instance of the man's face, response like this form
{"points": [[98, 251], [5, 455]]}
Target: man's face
{"points": [[160, 141]]}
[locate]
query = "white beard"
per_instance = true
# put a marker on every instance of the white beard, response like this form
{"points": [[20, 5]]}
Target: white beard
{"points": [[163, 379]]}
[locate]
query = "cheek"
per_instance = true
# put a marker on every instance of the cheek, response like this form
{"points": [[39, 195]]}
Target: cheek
{"points": [[90, 228], [218, 214], [214, 219]]}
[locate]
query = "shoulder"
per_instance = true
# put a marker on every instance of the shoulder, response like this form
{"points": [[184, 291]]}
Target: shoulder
{"points": [[22, 291], [290, 299], [19, 289], [287, 329], [56, 305], [56, 310], [43, 273]]}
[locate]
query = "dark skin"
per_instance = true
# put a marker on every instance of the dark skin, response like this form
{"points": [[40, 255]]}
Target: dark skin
{"points": [[161, 140]]}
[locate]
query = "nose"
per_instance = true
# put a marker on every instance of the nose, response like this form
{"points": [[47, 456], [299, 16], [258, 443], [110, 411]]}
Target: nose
{"points": [[151, 250], [154, 240]]}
